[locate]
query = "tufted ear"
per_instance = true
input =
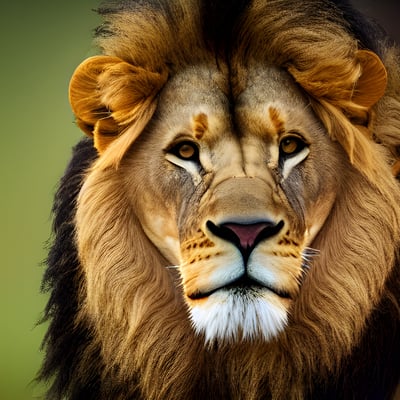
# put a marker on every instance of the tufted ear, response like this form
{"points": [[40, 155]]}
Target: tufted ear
{"points": [[108, 94], [371, 84], [343, 90]]}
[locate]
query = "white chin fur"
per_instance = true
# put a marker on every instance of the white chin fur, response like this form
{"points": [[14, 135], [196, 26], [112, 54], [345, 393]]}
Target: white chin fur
{"points": [[231, 316]]}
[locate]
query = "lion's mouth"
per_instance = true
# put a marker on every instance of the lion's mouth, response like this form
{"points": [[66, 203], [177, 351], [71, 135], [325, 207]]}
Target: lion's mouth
{"points": [[242, 286]]}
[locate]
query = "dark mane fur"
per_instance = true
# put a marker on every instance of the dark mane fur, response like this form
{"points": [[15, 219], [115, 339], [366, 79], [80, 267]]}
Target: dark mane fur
{"points": [[62, 281], [75, 373], [383, 355], [369, 33]]}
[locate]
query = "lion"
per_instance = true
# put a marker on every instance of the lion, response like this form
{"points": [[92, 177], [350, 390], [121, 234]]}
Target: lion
{"points": [[230, 229]]}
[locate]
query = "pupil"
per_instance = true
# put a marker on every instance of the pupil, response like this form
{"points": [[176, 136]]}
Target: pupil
{"points": [[289, 146], [186, 151]]}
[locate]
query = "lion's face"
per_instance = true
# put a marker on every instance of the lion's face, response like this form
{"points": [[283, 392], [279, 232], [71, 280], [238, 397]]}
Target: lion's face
{"points": [[234, 195]]}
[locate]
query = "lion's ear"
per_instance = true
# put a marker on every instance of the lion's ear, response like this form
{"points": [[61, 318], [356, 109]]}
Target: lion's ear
{"points": [[108, 94], [371, 84]]}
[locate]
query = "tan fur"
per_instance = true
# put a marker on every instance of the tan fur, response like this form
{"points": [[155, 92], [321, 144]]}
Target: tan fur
{"points": [[141, 263]]}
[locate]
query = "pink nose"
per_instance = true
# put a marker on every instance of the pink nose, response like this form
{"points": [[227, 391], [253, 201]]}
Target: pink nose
{"points": [[245, 236]]}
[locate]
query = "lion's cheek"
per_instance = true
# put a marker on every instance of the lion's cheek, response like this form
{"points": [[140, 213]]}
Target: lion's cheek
{"points": [[316, 216], [205, 274], [282, 269], [163, 234]]}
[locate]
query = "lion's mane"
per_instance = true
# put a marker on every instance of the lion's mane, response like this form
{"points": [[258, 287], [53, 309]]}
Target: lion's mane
{"points": [[124, 333]]}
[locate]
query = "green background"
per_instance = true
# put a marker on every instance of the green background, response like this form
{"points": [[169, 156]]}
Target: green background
{"points": [[41, 44]]}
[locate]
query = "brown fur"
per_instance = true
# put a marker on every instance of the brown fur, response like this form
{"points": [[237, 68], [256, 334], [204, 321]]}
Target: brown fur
{"points": [[131, 296]]}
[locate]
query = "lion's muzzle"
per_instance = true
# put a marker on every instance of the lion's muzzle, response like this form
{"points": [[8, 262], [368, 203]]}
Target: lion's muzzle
{"points": [[242, 257]]}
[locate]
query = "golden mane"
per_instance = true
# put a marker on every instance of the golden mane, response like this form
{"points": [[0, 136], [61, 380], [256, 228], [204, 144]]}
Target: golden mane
{"points": [[136, 293], [128, 316]]}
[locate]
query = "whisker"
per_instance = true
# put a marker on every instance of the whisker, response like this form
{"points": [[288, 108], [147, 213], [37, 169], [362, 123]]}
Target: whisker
{"points": [[172, 266], [307, 255]]}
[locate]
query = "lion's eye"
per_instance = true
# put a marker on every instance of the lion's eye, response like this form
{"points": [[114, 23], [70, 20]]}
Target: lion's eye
{"points": [[185, 151], [291, 145]]}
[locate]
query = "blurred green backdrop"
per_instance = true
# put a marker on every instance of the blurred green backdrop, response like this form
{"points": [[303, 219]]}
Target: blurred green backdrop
{"points": [[41, 44]]}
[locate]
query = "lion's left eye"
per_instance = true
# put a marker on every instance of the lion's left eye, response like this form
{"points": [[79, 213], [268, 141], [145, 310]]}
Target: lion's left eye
{"points": [[291, 145], [186, 151]]}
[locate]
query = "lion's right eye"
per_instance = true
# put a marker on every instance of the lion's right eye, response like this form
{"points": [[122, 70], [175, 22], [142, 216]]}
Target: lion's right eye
{"points": [[185, 151], [291, 145]]}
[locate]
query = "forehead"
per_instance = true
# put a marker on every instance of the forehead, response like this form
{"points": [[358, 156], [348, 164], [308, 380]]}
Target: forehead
{"points": [[267, 101], [200, 88], [271, 102]]}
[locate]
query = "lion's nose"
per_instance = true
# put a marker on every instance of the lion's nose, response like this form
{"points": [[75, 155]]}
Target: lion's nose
{"points": [[245, 236]]}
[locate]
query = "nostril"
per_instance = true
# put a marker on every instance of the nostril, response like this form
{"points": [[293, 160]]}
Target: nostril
{"points": [[245, 236]]}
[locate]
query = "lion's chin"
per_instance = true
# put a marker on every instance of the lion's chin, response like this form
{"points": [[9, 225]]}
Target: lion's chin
{"points": [[232, 315]]}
